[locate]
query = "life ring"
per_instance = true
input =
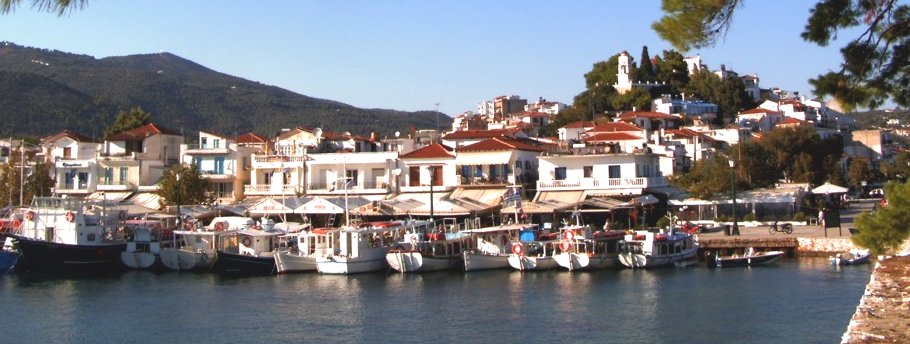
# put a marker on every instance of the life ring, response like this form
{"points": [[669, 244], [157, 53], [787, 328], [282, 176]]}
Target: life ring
{"points": [[568, 234], [70, 216], [564, 245], [16, 224], [247, 242], [30, 215], [517, 249], [219, 226]]}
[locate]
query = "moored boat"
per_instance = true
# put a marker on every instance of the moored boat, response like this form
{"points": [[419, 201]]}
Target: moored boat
{"points": [[534, 250], [249, 251], [645, 249], [195, 248], [8, 255], [303, 249], [490, 247], [851, 257], [424, 250], [60, 235], [599, 250], [749, 258], [144, 240], [363, 248]]}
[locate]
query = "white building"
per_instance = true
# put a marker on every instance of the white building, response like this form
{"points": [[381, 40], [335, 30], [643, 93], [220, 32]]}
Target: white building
{"points": [[75, 167]]}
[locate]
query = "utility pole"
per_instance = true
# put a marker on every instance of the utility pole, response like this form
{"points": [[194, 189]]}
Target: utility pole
{"points": [[437, 117]]}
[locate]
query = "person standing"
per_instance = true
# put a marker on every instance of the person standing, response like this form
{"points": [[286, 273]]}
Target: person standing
{"points": [[821, 217]]}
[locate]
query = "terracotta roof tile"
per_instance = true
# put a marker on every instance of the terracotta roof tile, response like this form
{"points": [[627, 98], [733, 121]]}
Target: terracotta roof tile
{"points": [[614, 127], [432, 151], [499, 144], [142, 132], [647, 114], [250, 138], [757, 111], [70, 134], [580, 124], [477, 134], [617, 136]]}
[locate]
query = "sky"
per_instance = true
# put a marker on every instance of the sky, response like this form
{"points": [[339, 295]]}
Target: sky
{"points": [[421, 55]]}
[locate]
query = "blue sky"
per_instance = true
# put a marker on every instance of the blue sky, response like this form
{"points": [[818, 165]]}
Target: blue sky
{"points": [[410, 55]]}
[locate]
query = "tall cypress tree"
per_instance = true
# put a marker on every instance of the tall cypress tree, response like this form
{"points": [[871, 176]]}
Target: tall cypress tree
{"points": [[645, 69]]}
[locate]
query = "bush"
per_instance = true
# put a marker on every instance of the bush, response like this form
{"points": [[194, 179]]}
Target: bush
{"points": [[749, 217], [799, 216], [663, 222]]}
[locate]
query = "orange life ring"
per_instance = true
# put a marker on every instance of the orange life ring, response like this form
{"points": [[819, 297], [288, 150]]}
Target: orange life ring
{"points": [[16, 224], [30, 215], [247, 241], [70, 216], [517, 249], [564, 245], [568, 234], [219, 226]]}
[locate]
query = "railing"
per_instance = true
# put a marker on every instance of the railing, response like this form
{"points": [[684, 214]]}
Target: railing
{"points": [[277, 158], [609, 183], [207, 148], [268, 189]]}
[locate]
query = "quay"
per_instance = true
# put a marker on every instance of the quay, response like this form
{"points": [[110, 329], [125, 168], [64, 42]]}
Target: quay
{"points": [[883, 313]]}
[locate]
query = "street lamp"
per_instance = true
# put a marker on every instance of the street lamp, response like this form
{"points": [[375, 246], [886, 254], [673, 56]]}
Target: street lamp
{"points": [[733, 187]]}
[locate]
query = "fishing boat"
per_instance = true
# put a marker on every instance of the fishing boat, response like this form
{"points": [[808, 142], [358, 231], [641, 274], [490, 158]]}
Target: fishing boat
{"points": [[195, 247], [646, 249], [851, 257], [534, 250], [299, 252], [10, 222], [750, 257], [8, 255], [491, 246], [363, 248], [249, 250], [61, 235], [598, 250], [144, 240], [425, 250]]}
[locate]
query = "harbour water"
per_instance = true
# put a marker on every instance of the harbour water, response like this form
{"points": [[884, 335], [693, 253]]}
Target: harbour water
{"points": [[801, 300]]}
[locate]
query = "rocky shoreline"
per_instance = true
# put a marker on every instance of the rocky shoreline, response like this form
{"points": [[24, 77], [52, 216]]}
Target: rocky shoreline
{"points": [[883, 314]]}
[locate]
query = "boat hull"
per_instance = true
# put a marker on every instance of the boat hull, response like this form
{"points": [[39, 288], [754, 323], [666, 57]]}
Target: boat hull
{"points": [[531, 263], [45, 256], [855, 258], [413, 261], [8, 260], [582, 261], [141, 260], [345, 266], [637, 260], [480, 261], [187, 260], [288, 262], [238, 264], [750, 260]]}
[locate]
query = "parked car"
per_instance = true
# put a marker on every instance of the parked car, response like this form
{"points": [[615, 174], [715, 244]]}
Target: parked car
{"points": [[876, 193]]}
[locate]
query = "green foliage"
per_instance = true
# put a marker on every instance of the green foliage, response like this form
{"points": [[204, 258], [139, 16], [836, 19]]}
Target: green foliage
{"points": [[10, 181], [61, 7], [876, 63], [40, 182], [662, 222], [758, 164], [708, 178], [859, 171], [749, 217], [886, 229], [799, 216], [182, 185], [801, 155], [637, 98], [899, 168], [729, 94], [645, 71], [126, 120], [672, 69]]}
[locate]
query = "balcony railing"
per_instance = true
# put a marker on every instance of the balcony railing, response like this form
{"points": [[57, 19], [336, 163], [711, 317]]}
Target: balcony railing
{"points": [[195, 148], [277, 158], [269, 190], [601, 184]]}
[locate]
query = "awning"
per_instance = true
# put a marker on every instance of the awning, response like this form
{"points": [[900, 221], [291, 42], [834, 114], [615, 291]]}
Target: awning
{"points": [[319, 205], [271, 205], [828, 188], [109, 196], [549, 202], [414, 204], [146, 199], [478, 199]]}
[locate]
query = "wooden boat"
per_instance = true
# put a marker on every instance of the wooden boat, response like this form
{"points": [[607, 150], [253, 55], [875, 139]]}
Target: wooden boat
{"points": [[852, 257], [195, 248], [363, 248], [645, 249], [534, 250], [749, 258], [248, 251], [299, 252], [599, 250], [491, 246], [60, 235], [144, 240], [8, 255], [426, 252]]}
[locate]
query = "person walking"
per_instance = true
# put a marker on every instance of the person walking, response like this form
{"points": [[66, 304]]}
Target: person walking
{"points": [[821, 217]]}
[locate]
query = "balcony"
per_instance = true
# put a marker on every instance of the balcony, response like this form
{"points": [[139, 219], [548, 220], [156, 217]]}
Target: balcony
{"points": [[218, 175], [366, 189], [197, 149], [120, 159], [71, 188], [115, 186], [269, 190], [605, 184], [277, 161]]}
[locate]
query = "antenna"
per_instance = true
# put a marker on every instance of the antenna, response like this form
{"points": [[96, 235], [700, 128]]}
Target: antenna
{"points": [[437, 117]]}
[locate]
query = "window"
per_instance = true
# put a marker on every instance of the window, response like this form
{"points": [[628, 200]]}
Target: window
{"points": [[588, 171], [494, 172], [219, 163], [67, 152], [246, 163], [216, 143], [527, 165], [351, 176], [83, 180], [613, 171], [124, 175], [436, 175], [108, 175], [203, 141], [559, 173], [414, 176], [466, 171], [267, 178]]}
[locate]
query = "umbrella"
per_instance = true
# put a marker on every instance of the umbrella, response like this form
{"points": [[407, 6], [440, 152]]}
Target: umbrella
{"points": [[829, 188]]}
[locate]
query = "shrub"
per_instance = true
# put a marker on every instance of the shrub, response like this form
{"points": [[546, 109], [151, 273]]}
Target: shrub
{"points": [[799, 216], [749, 217]]}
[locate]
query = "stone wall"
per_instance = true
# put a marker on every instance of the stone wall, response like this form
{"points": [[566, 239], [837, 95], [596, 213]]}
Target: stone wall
{"points": [[810, 246]]}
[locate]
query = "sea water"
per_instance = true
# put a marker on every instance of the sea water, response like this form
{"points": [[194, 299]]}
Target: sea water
{"points": [[801, 300]]}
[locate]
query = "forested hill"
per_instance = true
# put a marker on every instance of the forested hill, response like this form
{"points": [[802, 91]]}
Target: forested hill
{"points": [[45, 91]]}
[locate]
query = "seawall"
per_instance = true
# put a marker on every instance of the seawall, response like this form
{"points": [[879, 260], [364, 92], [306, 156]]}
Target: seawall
{"points": [[883, 313]]}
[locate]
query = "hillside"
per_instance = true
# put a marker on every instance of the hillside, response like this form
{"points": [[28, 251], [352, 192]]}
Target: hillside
{"points": [[45, 91]]}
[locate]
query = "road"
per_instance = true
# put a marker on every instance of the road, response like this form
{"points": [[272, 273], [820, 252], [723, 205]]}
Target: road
{"points": [[847, 218]]}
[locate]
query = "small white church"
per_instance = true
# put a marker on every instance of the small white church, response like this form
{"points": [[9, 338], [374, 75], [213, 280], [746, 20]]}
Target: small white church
{"points": [[624, 81]]}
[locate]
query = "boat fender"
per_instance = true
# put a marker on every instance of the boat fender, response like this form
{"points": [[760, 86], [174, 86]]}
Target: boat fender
{"points": [[564, 245], [517, 249], [568, 234], [16, 224], [70, 216], [30, 215], [219, 226], [247, 242]]}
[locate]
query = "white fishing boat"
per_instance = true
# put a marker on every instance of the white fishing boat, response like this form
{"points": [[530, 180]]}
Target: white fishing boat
{"points": [[304, 249], [645, 249], [491, 247], [599, 250], [62, 235], [363, 248], [424, 250], [195, 248], [534, 250], [249, 251], [144, 240]]}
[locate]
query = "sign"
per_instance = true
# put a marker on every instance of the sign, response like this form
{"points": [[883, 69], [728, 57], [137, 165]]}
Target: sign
{"points": [[65, 164]]}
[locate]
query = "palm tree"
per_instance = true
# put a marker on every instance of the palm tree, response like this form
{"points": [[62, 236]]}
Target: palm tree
{"points": [[59, 6]]}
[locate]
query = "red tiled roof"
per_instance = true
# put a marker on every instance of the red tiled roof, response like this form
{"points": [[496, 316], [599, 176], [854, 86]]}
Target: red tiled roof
{"points": [[647, 114], [580, 124], [757, 111], [499, 144], [432, 151], [793, 121], [70, 134], [617, 136], [142, 132], [687, 133], [250, 138], [614, 127], [533, 114], [477, 134]]}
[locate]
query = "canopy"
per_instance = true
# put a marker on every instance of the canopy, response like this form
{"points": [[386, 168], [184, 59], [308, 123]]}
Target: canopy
{"points": [[828, 188]]}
